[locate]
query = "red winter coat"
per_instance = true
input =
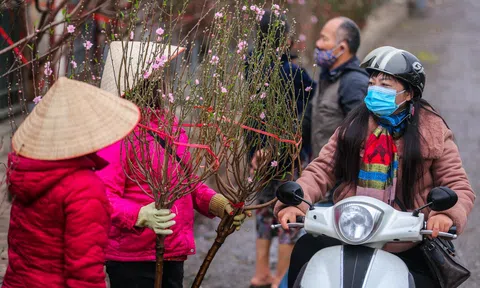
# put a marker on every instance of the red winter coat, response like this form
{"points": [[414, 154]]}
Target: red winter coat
{"points": [[58, 225]]}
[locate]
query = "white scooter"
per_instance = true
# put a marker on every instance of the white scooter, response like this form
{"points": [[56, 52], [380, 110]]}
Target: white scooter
{"points": [[365, 225]]}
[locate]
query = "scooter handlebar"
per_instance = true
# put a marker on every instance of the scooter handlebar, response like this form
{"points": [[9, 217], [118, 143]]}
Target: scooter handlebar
{"points": [[453, 230], [440, 234], [300, 219], [290, 225], [299, 223]]}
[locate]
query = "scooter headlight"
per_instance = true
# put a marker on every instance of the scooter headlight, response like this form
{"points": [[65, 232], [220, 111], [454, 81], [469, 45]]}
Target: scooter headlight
{"points": [[356, 222]]}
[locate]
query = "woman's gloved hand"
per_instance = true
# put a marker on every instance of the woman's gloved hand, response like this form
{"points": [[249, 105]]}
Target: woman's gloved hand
{"points": [[158, 220], [220, 206]]}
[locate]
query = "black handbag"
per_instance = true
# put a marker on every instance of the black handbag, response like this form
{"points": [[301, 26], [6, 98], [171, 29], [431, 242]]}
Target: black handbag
{"points": [[444, 264], [441, 259]]}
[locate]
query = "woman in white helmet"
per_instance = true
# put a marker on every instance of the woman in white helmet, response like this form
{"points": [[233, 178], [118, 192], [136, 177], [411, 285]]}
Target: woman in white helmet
{"points": [[396, 148]]}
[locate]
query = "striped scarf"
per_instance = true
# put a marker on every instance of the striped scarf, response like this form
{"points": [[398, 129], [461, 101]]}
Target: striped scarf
{"points": [[379, 167]]}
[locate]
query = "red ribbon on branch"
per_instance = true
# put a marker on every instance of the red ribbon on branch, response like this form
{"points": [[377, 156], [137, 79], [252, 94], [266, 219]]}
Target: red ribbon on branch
{"points": [[10, 42], [172, 139], [207, 148], [237, 205], [210, 109]]}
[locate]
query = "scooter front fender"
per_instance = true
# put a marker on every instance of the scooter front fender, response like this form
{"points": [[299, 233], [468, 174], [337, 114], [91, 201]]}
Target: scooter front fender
{"points": [[355, 267]]}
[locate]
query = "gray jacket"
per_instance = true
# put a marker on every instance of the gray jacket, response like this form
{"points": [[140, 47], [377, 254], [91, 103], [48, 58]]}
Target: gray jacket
{"points": [[340, 91]]}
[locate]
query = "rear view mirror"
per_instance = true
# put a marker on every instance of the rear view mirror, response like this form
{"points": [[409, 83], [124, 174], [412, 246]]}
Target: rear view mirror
{"points": [[290, 193], [442, 198]]}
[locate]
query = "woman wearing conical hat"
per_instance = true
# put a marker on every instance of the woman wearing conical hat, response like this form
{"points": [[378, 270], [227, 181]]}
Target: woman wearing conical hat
{"points": [[60, 214], [135, 221]]}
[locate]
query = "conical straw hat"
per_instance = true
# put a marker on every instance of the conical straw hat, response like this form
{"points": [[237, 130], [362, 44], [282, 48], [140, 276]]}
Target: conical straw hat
{"points": [[127, 61], [74, 119]]}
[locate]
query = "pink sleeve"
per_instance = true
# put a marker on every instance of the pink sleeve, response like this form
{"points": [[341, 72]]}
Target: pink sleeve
{"points": [[201, 199], [125, 212], [448, 171], [87, 220]]}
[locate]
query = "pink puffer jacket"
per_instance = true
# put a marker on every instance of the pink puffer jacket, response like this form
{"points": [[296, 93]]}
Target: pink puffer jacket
{"points": [[130, 243]]}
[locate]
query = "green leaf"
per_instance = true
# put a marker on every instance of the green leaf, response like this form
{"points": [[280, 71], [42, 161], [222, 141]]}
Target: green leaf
{"points": [[30, 46]]}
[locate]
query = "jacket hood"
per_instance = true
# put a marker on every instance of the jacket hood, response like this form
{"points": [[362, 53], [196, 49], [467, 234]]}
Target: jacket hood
{"points": [[29, 179]]}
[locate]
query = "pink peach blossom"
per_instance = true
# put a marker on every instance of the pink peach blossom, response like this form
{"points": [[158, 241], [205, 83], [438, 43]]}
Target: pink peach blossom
{"points": [[37, 99], [70, 28], [87, 45]]}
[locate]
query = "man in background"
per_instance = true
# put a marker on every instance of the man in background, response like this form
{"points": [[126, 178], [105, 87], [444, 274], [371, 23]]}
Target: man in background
{"points": [[342, 85]]}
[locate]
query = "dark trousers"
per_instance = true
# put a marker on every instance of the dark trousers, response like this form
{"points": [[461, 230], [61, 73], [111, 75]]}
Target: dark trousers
{"points": [[308, 245], [142, 274]]}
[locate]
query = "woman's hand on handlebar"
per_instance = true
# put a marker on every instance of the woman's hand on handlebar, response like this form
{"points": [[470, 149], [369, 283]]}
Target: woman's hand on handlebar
{"points": [[289, 215], [437, 223]]}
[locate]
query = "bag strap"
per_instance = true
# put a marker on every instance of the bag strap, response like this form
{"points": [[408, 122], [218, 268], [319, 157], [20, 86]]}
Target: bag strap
{"points": [[333, 190], [400, 204], [169, 150]]}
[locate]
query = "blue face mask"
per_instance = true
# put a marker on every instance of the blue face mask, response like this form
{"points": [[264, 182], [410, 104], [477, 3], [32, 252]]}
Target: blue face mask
{"points": [[381, 100]]}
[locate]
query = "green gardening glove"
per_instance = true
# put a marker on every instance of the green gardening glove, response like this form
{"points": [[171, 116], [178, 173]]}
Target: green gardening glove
{"points": [[157, 220], [220, 206]]}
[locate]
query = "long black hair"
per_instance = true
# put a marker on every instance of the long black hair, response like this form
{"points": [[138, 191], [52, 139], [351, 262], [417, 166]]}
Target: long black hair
{"points": [[351, 138]]}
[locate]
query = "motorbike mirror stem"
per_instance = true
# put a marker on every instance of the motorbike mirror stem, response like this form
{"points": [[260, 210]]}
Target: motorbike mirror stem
{"points": [[303, 200], [439, 199], [417, 211]]}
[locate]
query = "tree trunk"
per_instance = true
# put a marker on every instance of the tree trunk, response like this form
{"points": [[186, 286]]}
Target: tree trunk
{"points": [[224, 229], [160, 250]]}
